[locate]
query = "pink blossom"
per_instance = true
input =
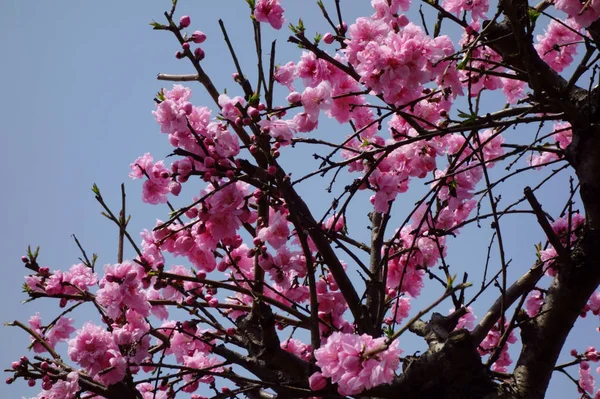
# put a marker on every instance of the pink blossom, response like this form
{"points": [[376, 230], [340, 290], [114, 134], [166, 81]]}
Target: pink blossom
{"points": [[229, 106], [512, 89], [467, 320], [340, 223], [400, 310], [583, 16], [534, 302], [300, 349], [277, 232], [305, 123], [563, 134], [478, 8], [121, 288], [62, 389], [586, 379], [316, 99], [59, 332], [282, 130], [95, 350], [341, 359], [269, 11], [286, 74], [558, 45], [491, 143]]}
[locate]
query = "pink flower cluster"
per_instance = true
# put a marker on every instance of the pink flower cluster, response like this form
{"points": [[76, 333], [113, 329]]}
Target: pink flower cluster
{"points": [[490, 345], [563, 136], [477, 8], [62, 389], [343, 360], [567, 237], [580, 14], [558, 45], [121, 288], [269, 11], [60, 331], [96, 351], [78, 279], [587, 382]]}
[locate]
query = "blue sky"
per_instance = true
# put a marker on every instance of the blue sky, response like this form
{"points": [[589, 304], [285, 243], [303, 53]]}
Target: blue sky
{"points": [[78, 79]]}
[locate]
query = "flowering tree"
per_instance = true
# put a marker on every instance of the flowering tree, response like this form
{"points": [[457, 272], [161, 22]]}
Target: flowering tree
{"points": [[248, 290]]}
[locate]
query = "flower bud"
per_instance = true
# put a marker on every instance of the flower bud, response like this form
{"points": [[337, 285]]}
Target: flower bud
{"points": [[184, 21], [198, 37], [402, 20], [253, 112], [199, 54], [328, 38], [294, 97]]}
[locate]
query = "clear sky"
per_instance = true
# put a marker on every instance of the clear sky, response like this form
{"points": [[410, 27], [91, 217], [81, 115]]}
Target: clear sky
{"points": [[77, 81]]}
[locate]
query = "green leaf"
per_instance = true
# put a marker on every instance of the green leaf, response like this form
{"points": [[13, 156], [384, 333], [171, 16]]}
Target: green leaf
{"points": [[388, 331], [318, 38], [254, 98], [251, 3], [95, 189], [293, 29], [468, 117], [364, 143], [452, 186], [450, 282], [156, 26], [463, 63], [533, 14]]}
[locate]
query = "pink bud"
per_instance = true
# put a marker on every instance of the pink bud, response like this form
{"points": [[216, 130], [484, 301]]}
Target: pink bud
{"points": [[246, 121], [184, 21], [31, 382], [10, 380], [175, 188], [235, 76], [15, 365], [198, 37], [584, 365], [470, 31], [199, 54], [253, 112], [573, 352], [272, 170], [179, 55], [317, 381], [24, 259], [209, 162], [402, 20], [328, 38], [294, 97], [185, 46], [188, 108]]}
